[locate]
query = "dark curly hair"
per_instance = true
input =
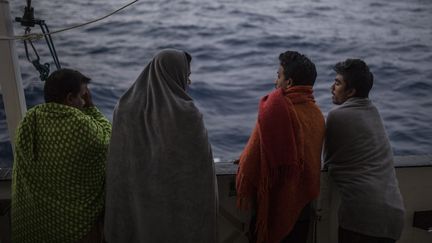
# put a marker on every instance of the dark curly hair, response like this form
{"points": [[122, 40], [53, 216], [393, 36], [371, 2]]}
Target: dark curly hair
{"points": [[298, 67], [62, 82]]}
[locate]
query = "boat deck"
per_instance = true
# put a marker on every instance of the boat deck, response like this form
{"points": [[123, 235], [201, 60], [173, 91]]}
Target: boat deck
{"points": [[415, 181]]}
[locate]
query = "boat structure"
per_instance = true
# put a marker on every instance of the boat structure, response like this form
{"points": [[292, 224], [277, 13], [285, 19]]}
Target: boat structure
{"points": [[414, 173]]}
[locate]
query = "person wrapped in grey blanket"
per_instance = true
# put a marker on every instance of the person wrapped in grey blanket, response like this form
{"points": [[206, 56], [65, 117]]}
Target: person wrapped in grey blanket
{"points": [[160, 182], [360, 160]]}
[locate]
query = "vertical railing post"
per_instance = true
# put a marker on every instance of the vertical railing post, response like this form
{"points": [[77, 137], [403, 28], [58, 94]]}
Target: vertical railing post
{"points": [[10, 76]]}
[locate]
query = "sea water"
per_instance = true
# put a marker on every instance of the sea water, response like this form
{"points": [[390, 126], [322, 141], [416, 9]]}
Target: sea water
{"points": [[235, 46]]}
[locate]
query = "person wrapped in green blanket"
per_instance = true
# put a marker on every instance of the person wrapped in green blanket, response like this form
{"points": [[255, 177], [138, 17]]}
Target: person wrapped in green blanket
{"points": [[59, 165]]}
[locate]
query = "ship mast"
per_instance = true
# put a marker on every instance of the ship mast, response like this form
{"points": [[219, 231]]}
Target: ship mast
{"points": [[10, 75]]}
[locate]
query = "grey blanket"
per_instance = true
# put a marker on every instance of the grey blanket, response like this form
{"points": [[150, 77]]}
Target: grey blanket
{"points": [[360, 161], [160, 172]]}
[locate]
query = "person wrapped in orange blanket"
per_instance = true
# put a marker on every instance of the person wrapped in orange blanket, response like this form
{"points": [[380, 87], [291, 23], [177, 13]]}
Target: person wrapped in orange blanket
{"points": [[279, 169]]}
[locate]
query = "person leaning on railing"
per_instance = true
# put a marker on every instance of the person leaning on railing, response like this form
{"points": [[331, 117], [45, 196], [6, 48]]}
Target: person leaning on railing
{"points": [[360, 160], [161, 184], [59, 166], [279, 169]]}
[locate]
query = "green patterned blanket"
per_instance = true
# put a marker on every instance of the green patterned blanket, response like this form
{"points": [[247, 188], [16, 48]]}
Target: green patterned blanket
{"points": [[58, 173]]}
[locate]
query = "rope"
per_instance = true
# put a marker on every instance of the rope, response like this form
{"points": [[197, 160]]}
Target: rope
{"points": [[37, 36]]}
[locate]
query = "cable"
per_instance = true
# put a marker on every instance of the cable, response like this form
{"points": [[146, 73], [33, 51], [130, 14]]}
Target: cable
{"points": [[36, 36], [51, 46]]}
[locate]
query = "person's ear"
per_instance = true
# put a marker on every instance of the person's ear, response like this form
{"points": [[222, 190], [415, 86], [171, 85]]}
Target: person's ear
{"points": [[350, 93], [69, 99], [289, 82]]}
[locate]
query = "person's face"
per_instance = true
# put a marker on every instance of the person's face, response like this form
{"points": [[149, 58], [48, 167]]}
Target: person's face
{"points": [[281, 81], [339, 90], [189, 81], [77, 100]]}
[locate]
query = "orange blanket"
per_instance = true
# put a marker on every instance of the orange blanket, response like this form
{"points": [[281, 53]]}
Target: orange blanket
{"points": [[272, 164]]}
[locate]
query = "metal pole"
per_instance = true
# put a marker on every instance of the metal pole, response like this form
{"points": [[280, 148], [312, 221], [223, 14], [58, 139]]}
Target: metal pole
{"points": [[10, 76]]}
